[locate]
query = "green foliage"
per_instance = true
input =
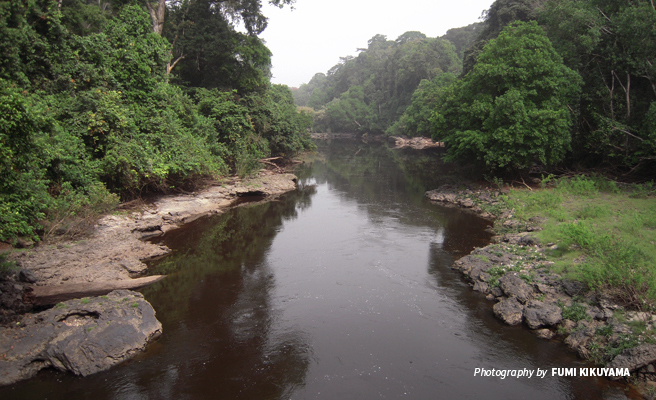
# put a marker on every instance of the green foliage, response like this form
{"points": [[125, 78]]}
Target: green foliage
{"points": [[575, 312], [87, 113], [500, 14], [415, 121], [611, 45], [211, 52], [604, 353], [511, 110], [604, 235], [368, 93], [463, 38]]}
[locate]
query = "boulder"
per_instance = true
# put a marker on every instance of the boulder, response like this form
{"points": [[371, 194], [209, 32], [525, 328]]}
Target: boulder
{"points": [[82, 336], [634, 358], [27, 276], [513, 286], [545, 334], [509, 311], [538, 314]]}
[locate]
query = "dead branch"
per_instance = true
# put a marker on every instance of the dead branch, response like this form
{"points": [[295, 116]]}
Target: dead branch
{"points": [[270, 163]]}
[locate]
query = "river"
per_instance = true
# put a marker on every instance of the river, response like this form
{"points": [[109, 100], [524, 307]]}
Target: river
{"points": [[338, 290]]}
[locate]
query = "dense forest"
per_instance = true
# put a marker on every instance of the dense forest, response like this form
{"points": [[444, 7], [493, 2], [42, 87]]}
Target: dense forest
{"points": [[108, 100], [537, 83]]}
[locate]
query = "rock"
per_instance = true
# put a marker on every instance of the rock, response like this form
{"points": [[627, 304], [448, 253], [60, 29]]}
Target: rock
{"points": [[23, 243], [149, 224], [466, 203], [634, 358], [481, 287], [48, 295], [513, 286], [442, 194], [545, 289], [567, 325], [27, 276], [81, 336], [544, 333], [604, 314], [528, 240], [572, 288], [134, 266], [538, 314], [511, 224], [509, 311], [578, 339], [651, 369]]}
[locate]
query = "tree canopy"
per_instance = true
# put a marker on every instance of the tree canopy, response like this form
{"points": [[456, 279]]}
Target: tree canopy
{"points": [[93, 110], [511, 110]]}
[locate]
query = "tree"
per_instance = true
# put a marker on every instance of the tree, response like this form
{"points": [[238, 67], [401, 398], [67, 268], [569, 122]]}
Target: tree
{"points": [[511, 110], [247, 11], [501, 14], [210, 53], [612, 44], [415, 121]]}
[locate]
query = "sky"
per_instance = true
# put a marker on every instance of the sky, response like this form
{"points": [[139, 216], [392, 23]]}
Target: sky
{"points": [[311, 37]]}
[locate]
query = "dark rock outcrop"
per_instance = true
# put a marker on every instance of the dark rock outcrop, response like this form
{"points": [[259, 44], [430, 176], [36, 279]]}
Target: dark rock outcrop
{"points": [[81, 336], [513, 286], [538, 314], [634, 358], [509, 311]]}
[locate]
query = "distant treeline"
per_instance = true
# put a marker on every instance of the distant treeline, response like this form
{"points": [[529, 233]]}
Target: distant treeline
{"points": [[112, 99], [539, 83]]}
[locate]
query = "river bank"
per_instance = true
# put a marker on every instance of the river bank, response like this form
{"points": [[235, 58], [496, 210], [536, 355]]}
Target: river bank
{"points": [[111, 258], [536, 277]]}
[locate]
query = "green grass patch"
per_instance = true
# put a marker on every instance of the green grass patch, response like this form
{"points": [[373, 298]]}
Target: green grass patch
{"points": [[576, 312], [606, 236]]}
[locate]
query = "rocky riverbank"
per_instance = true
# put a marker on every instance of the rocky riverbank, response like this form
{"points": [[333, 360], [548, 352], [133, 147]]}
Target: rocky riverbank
{"points": [[92, 334], [514, 272]]}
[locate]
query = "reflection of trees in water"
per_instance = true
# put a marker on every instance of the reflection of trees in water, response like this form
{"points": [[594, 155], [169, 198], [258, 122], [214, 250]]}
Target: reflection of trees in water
{"points": [[391, 183], [216, 311]]}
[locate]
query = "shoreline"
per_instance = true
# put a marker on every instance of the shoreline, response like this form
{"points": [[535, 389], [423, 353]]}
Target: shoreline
{"points": [[513, 271], [96, 323]]}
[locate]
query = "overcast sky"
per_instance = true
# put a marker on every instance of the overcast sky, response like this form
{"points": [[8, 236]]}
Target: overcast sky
{"points": [[312, 37]]}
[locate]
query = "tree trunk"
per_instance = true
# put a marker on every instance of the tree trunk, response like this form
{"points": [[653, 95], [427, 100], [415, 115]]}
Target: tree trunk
{"points": [[156, 12]]}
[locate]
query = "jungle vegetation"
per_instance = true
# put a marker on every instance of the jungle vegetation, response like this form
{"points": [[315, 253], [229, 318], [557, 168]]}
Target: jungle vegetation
{"points": [[102, 101], [537, 83]]}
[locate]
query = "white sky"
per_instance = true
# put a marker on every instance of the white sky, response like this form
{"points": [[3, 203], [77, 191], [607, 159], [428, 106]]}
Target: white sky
{"points": [[312, 37]]}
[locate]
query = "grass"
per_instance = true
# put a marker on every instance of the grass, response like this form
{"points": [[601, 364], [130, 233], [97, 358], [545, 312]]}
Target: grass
{"points": [[606, 234], [576, 312]]}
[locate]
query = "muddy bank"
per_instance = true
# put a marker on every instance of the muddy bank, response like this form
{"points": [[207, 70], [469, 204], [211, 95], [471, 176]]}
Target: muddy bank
{"points": [[514, 273]]}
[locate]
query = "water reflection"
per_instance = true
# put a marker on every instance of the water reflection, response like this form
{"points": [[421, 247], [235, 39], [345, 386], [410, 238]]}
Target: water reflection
{"points": [[340, 290]]}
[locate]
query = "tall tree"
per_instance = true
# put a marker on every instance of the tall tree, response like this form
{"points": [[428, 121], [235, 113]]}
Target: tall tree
{"points": [[511, 110]]}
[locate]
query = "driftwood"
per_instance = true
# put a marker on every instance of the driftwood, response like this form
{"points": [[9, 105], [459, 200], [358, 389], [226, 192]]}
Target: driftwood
{"points": [[268, 162]]}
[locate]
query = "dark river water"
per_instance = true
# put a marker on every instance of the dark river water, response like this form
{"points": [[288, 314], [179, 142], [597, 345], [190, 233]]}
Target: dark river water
{"points": [[339, 290]]}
